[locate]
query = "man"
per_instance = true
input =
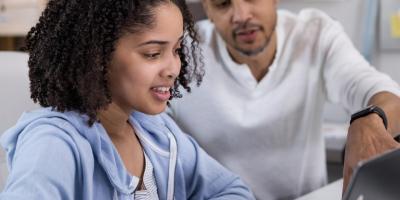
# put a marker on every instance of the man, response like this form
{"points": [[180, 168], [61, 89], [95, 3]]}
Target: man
{"points": [[268, 74]]}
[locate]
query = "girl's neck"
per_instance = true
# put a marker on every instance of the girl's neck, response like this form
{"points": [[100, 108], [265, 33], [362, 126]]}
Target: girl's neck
{"points": [[115, 120]]}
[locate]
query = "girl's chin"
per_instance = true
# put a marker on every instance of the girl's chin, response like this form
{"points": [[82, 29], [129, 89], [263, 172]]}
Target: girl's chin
{"points": [[154, 110]]}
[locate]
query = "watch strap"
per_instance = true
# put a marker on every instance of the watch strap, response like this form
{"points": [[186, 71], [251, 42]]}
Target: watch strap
{"points": [[369, 110]]}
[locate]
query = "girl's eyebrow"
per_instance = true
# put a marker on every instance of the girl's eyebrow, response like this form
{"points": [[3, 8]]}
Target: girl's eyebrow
{"points": [[159, 42]]}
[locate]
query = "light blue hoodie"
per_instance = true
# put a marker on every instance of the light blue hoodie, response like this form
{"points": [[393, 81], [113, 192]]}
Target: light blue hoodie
{"points": [[53, 155]]}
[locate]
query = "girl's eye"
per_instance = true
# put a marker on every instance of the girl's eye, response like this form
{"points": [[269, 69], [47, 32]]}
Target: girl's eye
{"points": [[152, 55]]}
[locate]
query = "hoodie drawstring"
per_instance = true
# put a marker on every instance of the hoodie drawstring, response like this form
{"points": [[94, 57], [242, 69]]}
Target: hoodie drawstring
{"points": [[172, 164]]}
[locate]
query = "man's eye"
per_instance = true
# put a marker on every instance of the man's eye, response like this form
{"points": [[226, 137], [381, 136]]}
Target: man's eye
{"points": [[221, 3]]}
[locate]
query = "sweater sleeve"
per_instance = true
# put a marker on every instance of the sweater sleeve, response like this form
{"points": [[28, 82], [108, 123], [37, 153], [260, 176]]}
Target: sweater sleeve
{"points": [[42, 167], [349, 78]]}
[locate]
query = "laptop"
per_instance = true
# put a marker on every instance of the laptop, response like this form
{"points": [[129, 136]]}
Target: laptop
{"points": [[376, 179]]}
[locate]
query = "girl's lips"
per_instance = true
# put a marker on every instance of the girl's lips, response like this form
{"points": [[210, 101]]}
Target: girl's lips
{"points": [[161, 93]]}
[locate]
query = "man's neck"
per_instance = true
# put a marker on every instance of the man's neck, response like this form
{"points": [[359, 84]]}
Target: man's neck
{"points": [[259, 64]]}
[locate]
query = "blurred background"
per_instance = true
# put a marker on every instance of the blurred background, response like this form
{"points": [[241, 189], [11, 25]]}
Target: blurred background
{"points": [[373, 26]]}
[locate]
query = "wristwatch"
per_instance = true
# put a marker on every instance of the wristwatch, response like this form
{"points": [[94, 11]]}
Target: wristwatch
{"points": [[368, 110]]}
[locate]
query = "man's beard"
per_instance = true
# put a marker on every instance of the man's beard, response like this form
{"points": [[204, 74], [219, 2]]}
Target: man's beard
{"points": [[251, 52]]}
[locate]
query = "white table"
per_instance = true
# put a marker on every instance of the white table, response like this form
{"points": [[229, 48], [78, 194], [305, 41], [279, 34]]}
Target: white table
{"points": [[332, 191]]}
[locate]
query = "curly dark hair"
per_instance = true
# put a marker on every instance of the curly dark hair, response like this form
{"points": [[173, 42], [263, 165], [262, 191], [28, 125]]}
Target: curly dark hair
{"points": [[71, 47]]}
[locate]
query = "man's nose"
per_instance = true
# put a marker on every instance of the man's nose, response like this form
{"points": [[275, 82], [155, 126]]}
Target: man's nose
{"points": [[241, 12]]}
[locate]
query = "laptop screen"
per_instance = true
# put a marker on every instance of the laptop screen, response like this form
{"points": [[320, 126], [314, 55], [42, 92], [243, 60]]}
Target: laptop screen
{"points": [[376, 179]]}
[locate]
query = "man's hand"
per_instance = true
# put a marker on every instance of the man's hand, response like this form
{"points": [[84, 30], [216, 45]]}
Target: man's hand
{"points": [[367, 137]]}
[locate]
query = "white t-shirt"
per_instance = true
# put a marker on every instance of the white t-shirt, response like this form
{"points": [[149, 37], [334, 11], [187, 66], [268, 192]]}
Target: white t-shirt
{"points": [[269, 132], [149, 184]]}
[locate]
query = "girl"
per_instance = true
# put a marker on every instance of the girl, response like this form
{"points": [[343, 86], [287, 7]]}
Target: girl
{"points": [[104, 70]]}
